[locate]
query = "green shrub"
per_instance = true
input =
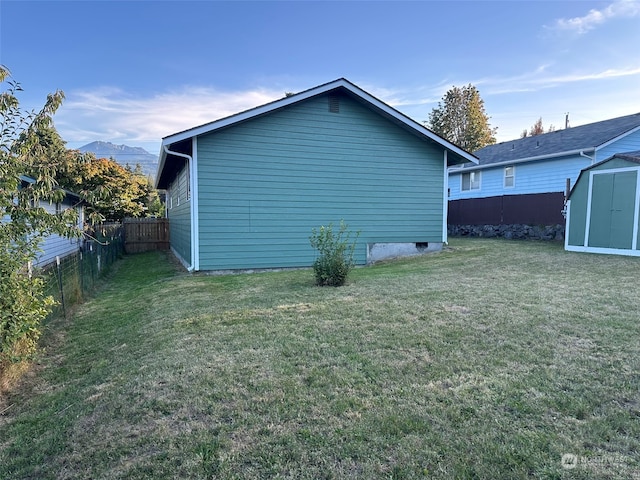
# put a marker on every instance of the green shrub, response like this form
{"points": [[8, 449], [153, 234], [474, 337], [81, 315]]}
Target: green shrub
{"points": [[335, 254], [22, 307]]}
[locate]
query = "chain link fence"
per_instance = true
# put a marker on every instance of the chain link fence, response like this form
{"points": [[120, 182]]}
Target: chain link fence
{"points": [[71, 278]]}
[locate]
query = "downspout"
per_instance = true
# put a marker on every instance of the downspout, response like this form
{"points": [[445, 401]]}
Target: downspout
{"points": [[593, 159], [193, 232]]}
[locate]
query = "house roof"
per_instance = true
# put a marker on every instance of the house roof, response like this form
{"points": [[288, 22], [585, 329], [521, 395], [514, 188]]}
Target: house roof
{"points": [[74, 197], [456, 154], [570, 141], [629, 156]]}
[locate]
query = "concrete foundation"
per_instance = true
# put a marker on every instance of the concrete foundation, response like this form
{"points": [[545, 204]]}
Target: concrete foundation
{"points": [[383, 251]]}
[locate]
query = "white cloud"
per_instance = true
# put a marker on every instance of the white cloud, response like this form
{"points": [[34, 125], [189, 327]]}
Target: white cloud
{"points": [[580, 25], [112, 114]]}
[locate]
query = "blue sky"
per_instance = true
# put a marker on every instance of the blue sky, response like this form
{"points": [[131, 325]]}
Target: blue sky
{"points": [[133, 72]]}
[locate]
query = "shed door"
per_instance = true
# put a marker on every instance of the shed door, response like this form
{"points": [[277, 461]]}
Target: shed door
{"points": [[612, 210]]}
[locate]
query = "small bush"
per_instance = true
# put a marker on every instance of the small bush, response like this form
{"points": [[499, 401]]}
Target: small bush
{"points": [[335, 254]]}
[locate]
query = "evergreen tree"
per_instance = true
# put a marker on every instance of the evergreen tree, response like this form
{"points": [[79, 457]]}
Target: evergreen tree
{"points": [[461, 119]]}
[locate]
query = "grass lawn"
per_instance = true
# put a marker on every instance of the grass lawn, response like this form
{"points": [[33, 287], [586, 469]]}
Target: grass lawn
{"points": [[492, 359]]}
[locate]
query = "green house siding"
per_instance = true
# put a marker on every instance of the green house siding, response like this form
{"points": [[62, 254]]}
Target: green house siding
{"points": [[179, 213], [264, 184]]}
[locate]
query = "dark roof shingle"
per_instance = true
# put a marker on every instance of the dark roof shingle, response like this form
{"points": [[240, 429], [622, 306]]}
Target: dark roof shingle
{"points": [[583, 137]]}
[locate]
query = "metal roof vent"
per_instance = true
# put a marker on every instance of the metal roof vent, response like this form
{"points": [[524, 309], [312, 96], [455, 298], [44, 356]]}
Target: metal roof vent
{"points": [[334, 103]]}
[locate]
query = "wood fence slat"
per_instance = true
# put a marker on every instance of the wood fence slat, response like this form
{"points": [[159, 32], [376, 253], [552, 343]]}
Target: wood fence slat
{"points": [[145, 234]]}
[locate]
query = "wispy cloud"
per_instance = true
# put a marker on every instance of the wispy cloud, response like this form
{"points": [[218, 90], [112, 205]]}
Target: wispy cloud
{"points": [[543, 78], [540, 78], [115, 115], [594, 18]]}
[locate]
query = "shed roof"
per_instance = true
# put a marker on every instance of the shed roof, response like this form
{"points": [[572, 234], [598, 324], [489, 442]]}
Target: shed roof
{"points": [[457, 155], [586, 138], [629, 156]]}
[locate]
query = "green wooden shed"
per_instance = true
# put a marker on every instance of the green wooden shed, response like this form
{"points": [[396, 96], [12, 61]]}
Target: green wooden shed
{"points": [[245, 191], [603, 207]]}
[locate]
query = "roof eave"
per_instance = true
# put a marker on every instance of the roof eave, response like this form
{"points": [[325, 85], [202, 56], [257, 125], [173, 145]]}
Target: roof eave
{"points": [[530, 159]]}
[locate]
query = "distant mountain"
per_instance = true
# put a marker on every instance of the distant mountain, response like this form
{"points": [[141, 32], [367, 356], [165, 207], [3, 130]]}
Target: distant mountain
{"points": [[124, 155]]}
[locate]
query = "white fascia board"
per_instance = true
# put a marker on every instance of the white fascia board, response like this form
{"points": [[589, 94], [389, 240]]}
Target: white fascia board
{"points": [[615, 170], [567, 225], [162, 157], [195, 205], [524, 160], [26, 179], [254, 112]]}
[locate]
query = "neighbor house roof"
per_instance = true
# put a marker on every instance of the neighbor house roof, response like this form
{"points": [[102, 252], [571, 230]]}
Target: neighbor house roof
{"points": [[74, 197], [456, 154], [570, 141]]}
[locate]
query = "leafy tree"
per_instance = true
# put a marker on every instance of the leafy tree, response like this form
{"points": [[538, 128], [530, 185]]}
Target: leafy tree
{"points": [[24, 147], [460, 118], [112, 191], [536, 129]]}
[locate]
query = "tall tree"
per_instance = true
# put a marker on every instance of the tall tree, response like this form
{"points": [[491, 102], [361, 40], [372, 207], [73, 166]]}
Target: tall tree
{"points": [[24, 144], [460, 118]]}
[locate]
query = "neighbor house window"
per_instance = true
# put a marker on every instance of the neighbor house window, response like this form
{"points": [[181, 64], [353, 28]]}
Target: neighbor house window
{"points": [[470, 181], [509, 177]]}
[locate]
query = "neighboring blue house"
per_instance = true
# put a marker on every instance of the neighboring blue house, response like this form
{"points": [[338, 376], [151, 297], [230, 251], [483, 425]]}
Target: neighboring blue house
{"points": [[245, 191], [526, 181], [54, 245]]}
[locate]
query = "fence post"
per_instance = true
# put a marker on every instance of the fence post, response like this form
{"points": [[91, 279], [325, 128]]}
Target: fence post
{"points": [[60, 284]]}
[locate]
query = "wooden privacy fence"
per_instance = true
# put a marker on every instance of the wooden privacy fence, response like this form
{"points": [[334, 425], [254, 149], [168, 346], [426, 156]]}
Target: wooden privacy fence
{"points": [[144, 234], [526, 209]]}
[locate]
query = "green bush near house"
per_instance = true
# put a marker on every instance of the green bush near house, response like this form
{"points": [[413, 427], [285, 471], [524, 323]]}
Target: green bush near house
{"points": [[335, 254]]}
